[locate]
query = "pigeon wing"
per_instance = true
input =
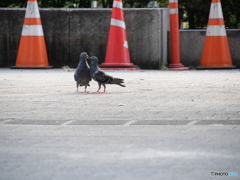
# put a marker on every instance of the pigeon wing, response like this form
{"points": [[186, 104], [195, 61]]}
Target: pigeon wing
{"points": [[101, 77], [75, 76]]}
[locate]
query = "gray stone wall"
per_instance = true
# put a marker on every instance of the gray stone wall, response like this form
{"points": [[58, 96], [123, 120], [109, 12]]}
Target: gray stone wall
{"points": [[68, 32]]}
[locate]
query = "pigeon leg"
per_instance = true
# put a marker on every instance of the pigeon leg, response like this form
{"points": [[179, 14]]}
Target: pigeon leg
{"points": [[85, 91], [99, 87], [104, 91], [77, 88]]}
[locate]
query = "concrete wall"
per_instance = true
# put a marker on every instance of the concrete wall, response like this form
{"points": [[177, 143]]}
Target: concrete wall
{"points": [[68, 32]]}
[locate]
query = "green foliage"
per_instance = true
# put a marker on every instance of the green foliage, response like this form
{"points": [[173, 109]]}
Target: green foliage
{"points": [[76, 3], [71, 5], [231, 13], [195, 12], [47, 3], [140, 3], [13, 3]]}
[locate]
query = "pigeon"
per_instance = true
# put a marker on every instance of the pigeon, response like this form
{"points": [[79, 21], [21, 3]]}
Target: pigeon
{"points": [[102, 78], [82, 73]]}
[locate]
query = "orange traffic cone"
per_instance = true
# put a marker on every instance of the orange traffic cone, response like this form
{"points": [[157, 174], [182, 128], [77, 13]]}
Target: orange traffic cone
{"points": [[117, 56], [216, 51], [32, 49]]}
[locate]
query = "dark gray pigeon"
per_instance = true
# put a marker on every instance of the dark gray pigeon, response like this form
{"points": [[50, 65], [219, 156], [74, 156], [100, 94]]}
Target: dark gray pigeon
{"points": [[101, 77], [82, 73]]}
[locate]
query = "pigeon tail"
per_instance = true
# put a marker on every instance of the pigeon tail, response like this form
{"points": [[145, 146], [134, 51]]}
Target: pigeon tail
{"points": [[118, 82]]}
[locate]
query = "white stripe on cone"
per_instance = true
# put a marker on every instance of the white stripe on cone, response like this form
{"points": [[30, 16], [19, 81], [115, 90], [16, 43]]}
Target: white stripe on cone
{"points": [[173, 1], [216, 30], [173, 11], [32, 10], [117, 4], [32, 30], [118, 23], [216, 11], [125, 44]]}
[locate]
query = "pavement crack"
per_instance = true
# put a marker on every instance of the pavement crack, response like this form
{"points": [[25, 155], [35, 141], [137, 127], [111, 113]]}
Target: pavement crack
{"points": [[67, 122], [130, 122], [6, 121], [192, 123]]}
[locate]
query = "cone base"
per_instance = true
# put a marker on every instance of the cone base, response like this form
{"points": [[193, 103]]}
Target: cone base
{"points": [[177, 67], [26, 67], [106, 67], [215, 68]]}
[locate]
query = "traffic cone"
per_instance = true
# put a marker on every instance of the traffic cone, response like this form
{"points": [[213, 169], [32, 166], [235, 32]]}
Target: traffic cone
{"points": [[32, 48], [117, 55], [216, 51], [174, 37]]}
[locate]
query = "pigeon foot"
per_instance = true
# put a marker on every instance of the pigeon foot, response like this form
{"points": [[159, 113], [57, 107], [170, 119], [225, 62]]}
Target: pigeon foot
{"points": [[85, 92], [100, 92]]}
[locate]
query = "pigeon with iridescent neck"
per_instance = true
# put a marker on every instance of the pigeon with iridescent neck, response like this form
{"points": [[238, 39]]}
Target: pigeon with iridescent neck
{"points": [[102, 78], [82, 73]]}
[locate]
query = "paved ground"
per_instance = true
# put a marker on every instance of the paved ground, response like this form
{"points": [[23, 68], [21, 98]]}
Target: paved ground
{"points": [[163, 125]]}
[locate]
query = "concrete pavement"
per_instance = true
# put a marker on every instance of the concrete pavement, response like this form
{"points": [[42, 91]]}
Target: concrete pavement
{"points": [[163, 125], [149, 95]]}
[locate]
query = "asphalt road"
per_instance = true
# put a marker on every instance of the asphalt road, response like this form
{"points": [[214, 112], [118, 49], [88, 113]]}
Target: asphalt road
{"points": [[163, 125]]}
